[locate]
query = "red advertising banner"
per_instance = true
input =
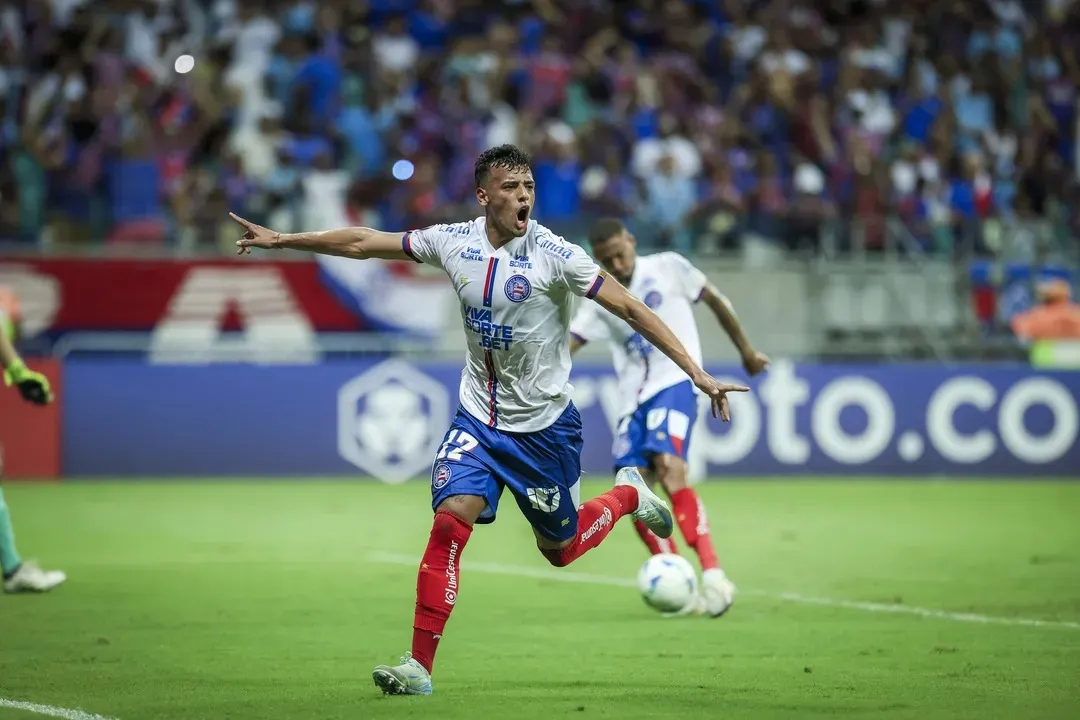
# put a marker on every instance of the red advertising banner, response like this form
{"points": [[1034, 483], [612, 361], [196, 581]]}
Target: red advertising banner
{"points": [[101, 295], [30, 434]]}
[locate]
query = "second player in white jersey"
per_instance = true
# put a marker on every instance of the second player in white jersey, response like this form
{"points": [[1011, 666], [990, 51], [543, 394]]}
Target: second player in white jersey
{"points": [[516, 301], [669, 285], [659, 406]]}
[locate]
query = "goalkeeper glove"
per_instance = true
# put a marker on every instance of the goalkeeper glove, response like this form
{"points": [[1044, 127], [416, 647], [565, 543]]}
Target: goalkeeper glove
{"points": [[33, 386]]}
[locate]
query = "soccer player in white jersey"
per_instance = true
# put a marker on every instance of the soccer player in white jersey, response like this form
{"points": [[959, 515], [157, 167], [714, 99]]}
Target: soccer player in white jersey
{"points": [[659, 405], [516, 427]]}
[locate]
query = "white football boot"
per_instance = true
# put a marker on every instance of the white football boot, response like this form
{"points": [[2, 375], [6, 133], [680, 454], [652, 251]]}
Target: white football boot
{"points": [[717, 592], [31, 578], [651, 510], [696, 606], [408, 678]]}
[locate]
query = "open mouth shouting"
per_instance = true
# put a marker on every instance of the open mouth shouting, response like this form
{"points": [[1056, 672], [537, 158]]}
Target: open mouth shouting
{"points": [[521, 220]]}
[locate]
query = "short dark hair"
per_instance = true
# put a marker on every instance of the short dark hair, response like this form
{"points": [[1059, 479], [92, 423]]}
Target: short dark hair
{"points": [[605, 229], [510, 157]]}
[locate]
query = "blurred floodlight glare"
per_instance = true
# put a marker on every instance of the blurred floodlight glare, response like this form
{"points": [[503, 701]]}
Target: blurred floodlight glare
{"points": [[184, 64], [403, 170]]}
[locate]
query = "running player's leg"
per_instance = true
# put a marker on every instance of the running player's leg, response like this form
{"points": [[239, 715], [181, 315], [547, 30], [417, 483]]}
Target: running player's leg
{"points": [[596, 517], [670, 424], [718, 592], [464, 492], [657, 436], [20, 576], [544, 474], [629, 452], [671, 474], [10, 560]]}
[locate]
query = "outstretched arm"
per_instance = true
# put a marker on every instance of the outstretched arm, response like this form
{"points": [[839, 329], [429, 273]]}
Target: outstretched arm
{"points": [[614, 298], [8, 356], [753, 361], [359, 243], [33, 386]]}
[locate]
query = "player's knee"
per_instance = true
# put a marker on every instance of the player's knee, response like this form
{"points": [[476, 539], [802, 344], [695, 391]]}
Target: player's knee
{"points": [[554, 555], [670, 472], [552, 550], [466, 508]]}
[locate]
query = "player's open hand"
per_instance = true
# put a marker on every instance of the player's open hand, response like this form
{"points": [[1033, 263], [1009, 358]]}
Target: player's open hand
{"points": [[254, 236], [717, 392], [754, 362]]}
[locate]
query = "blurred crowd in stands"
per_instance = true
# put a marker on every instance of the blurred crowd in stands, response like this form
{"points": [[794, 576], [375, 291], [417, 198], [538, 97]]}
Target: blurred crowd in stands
{"points": [[948, 125]]}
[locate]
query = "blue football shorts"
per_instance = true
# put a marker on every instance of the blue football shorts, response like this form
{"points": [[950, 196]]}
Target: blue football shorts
{"points": [[542, 470], [659, 426]]}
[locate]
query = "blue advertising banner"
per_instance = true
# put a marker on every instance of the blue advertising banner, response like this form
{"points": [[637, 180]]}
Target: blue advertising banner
{"points": [[126, 418]]}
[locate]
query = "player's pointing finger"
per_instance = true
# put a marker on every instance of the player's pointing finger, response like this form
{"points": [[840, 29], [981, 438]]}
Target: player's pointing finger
{"points": [[244, 223]]}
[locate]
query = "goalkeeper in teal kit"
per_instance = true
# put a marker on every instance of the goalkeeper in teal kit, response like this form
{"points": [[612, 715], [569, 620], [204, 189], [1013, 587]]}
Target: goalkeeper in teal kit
{"points": [[20, 575]]}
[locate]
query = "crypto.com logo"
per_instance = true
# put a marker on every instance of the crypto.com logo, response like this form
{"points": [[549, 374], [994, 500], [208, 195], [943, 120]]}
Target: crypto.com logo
{"points": [[391, 420], [960, 421]]}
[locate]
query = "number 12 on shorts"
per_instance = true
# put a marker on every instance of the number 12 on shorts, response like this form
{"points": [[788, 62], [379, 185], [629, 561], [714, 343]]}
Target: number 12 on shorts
{"points": [[457, 442]]}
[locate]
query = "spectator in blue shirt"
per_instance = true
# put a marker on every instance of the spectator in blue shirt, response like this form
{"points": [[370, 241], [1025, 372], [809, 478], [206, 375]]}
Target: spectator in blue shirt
{"points": [[670, 198]]}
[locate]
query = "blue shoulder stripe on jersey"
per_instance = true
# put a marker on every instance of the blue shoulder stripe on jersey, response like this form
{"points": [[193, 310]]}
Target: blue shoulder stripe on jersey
{"points": [[406, 246], [595, 287]]}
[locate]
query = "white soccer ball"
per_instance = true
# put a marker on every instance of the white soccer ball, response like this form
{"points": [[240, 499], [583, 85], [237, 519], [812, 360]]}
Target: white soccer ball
{"points": [[668, 582]]}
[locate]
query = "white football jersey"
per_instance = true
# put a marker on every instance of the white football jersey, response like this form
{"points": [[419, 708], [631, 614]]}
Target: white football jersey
{"points": [[516, 304], [670, 285]]}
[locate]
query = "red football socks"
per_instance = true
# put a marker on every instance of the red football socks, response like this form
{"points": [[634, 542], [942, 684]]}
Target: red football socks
{"points": [[656, 545], [437, 584], [595, 520], [694, 524]]}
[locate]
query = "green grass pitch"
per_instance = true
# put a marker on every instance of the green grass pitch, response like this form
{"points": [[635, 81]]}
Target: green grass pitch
{"points": [[274, 600]]}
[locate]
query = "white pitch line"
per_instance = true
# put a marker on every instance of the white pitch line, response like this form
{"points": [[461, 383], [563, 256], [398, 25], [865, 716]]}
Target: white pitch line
{"points": [[588, 578], [51, 710], [927, 612]]}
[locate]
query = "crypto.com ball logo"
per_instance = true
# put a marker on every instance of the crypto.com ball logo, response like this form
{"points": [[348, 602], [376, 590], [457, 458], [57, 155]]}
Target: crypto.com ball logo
{"points": [[391, 419]]}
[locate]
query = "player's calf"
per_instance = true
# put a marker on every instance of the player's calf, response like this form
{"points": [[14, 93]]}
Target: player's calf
{"points": [[670, 472], [689, 510], [717, 591], [656, 545], [437, 585], [20, 576], [597, 517], [438, 580]]}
